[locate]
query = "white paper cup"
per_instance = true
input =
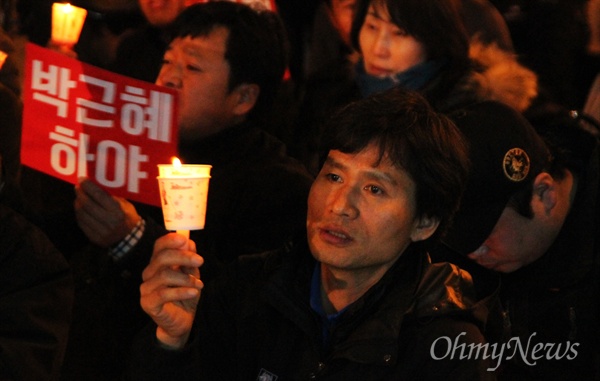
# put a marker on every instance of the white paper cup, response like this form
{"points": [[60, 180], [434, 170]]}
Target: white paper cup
{"points": [[183, 200], [184, 170], [67, 22]]}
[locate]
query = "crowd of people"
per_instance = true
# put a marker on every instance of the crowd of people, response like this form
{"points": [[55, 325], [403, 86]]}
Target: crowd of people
{"points": [[400, 189]]}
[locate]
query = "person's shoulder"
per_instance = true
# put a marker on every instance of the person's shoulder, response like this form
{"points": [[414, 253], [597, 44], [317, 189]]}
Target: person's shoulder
{"points": [[26, 246], [444, 289], [257, 268], [448, 293], [447, 346], [274, 160]]}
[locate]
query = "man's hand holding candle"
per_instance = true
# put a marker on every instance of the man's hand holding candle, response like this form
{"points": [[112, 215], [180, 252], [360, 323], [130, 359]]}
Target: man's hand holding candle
{"points": [[171, 288]]}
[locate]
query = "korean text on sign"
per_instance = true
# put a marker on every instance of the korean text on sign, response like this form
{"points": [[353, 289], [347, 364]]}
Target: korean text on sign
{"points": [[79, 120]]}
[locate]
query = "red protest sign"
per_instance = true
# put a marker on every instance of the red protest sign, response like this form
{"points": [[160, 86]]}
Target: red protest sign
{"points": [[80, 120]]}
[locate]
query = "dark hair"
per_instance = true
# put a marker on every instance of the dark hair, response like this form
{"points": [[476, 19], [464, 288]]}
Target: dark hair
{"points": [[436, 24], [257, 46], [415, 138]]}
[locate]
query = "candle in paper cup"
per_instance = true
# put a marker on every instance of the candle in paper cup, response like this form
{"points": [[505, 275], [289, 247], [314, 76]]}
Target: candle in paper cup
{"points": [[183, 194], [67, 21]]}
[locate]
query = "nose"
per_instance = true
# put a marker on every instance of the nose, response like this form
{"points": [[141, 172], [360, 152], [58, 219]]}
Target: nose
{"points": [[381, 44], [480, 254], [170, 76], [343, 202]]}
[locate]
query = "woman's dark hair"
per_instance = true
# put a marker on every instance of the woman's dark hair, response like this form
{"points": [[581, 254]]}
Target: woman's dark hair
{"points": [[257, 46], [413, 137]]}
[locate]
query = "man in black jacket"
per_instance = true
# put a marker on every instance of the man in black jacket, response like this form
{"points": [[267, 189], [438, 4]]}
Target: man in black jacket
{"points": [[531, 216], [226, 61], [355, 297]]}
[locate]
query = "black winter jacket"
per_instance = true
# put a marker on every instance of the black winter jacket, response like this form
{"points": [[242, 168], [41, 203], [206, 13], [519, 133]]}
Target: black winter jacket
{"points": [[36, 301], [257, 322]]}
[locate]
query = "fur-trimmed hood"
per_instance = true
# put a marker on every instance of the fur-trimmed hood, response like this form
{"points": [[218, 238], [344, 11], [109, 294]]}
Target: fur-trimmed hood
{"points": [[498, 76], [495, 75]]}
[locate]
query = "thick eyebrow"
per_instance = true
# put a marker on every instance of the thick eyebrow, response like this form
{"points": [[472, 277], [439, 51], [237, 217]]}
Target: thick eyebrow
{"points": [[382, 177], [334, 163], [375, 175]]}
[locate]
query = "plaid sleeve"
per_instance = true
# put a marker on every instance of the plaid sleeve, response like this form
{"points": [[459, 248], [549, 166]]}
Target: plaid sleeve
{"points": [[118, 252]]}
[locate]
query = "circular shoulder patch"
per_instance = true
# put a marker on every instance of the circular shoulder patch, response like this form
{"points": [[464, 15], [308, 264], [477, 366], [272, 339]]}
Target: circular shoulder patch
{"points": [[516, 164]]}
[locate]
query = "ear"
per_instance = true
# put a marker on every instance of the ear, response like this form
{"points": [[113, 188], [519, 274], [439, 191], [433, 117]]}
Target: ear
{"points": [[424, 228], [245, 97], [545, 192]]}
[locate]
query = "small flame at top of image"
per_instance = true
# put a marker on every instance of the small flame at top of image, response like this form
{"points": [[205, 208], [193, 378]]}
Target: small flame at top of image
{"points": [[67, 22]]}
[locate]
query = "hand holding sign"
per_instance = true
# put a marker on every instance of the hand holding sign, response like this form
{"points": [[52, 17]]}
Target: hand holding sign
{"points": [[104, 219]]}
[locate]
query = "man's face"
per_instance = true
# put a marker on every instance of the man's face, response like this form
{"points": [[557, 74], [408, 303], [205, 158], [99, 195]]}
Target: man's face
{"points": [[515, 241], [197, 68], [387, 49], [361, 217], [341, 13], [161, 13]]}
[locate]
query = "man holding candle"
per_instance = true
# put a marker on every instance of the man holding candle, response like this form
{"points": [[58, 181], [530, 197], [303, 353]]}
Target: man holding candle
{"points": [[355, 298], [226, 60], [226, 69]]}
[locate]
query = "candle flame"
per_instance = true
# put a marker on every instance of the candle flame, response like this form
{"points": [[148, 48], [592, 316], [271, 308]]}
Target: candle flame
{"points": [[3, 57], [67, 22], [176, 162]]}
